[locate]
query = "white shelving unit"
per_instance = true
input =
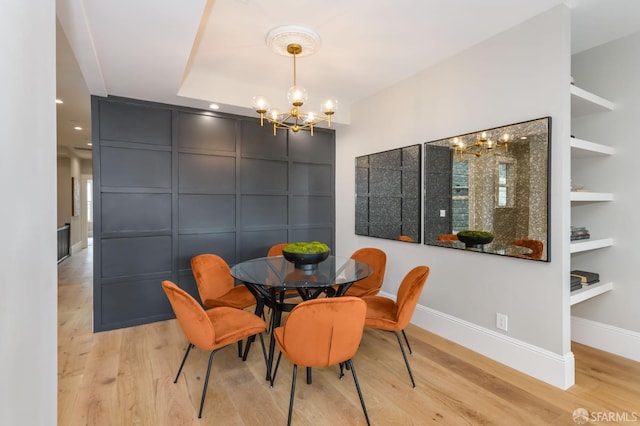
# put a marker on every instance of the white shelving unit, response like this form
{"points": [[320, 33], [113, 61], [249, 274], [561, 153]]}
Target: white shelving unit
{"points": [[584, 149], [591, 196], [590, 244], [582, 103], [590, 291]]}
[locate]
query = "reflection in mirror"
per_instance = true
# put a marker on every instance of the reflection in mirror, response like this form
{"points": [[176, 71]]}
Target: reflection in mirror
{"points": [[494, 180], [388, 194]]}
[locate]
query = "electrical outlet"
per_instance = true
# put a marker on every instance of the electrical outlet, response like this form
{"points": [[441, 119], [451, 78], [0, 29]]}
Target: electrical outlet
{"points": [[443, 213], [501, 321]]}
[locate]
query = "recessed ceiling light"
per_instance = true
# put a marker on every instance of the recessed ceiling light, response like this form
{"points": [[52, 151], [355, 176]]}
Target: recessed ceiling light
{"points": [[214, 106], [59, 101], [89, 143], [77, 128]]}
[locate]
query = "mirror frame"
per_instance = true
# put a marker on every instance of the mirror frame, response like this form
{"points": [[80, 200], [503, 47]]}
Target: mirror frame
{"points": [[388, 189], [438, 207]]}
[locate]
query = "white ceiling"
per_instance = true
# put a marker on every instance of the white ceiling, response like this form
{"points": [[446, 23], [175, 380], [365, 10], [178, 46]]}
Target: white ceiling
{"points": [[196, 52]]}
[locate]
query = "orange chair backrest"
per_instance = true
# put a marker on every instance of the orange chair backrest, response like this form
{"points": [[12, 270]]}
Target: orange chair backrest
{"points": [[378, 261], [447, 237], [409, 293], [322, 332], [277, 249], [212, 275], [193, 320], [536, 246]]}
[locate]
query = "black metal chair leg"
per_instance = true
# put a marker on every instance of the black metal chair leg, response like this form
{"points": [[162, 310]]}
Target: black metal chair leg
{"points": [[407, 340], [275, 370], [293, 391], [250, 340], [264, 351], [406, 361], [186, 354], [206, 382], [355, 379], [259, 312], [308, 375], [239, 348], [341, 371]]}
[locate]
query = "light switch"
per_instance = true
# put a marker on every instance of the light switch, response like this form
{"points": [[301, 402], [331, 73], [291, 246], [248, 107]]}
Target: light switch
{"points": [[443, 213]]}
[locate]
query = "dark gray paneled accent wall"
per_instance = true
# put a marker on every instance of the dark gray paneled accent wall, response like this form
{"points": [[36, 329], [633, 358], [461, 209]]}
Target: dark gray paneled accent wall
{"points": [[173, 182]]}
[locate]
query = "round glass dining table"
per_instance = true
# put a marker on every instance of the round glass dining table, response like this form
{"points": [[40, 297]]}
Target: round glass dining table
{"points": [[269, 278], [277, 273]]}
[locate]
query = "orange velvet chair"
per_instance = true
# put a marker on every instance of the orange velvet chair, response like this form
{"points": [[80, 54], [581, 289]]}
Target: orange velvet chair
{"points": [[371, 285], [210, 330], [447, 237], [216, 287], [322, 332], [536, 246], [276, 250], [385, 314]]}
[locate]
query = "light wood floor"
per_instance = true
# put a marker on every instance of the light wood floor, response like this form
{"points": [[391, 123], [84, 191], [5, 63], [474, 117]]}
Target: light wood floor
{"points": [[125, 377]]}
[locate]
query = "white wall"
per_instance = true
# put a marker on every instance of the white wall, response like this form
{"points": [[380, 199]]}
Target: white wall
{"points": [[64, 190], [613, 72], [68, 167], [28, 275], [519, 75]]}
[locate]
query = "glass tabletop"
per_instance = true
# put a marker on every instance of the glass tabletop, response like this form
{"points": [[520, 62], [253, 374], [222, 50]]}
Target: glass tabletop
{"points": [[276, 271]]}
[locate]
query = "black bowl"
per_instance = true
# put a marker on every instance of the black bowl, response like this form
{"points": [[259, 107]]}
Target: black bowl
{"points": [[474, 241], [305, 260]]}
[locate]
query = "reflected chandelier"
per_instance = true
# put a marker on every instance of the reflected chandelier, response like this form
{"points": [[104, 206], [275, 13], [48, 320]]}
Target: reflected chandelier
{"points": [[484, 144], [294, 119]]}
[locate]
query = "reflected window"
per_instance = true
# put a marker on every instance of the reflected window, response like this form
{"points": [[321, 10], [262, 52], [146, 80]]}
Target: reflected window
{"points": [[460, 196], [505, 184]]}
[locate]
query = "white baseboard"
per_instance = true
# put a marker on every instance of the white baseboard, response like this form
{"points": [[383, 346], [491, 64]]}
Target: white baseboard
{"points": [[619, 341], [77, 247], [556, 370]]}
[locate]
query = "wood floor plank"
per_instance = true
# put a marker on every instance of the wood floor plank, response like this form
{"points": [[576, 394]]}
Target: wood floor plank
{"points": [[125, 377]]}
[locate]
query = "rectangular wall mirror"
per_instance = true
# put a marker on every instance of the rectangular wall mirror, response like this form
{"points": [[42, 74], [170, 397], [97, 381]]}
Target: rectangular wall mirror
{"points": [[388, 194], [494, 184]]}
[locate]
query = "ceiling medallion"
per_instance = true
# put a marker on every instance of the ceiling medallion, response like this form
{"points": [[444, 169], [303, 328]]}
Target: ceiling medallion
{"points": [[280, 37]]}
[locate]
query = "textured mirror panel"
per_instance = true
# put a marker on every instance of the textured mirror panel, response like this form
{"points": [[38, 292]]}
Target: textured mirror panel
{"points": [[388, 194], [494, 180]]}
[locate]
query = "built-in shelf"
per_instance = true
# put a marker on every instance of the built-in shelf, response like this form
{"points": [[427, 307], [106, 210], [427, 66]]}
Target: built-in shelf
{"points": [[591, 196], [591, 244], [584, 149], [583, 102], [587, 292]]}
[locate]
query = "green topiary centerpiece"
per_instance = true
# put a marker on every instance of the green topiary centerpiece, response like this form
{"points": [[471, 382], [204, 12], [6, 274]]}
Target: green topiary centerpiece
{"points": [[306, 255], [302, 247]]}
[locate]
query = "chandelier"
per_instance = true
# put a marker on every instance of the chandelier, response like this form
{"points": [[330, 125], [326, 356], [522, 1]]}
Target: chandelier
{"points": [[483, 144], [294, 118]]}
